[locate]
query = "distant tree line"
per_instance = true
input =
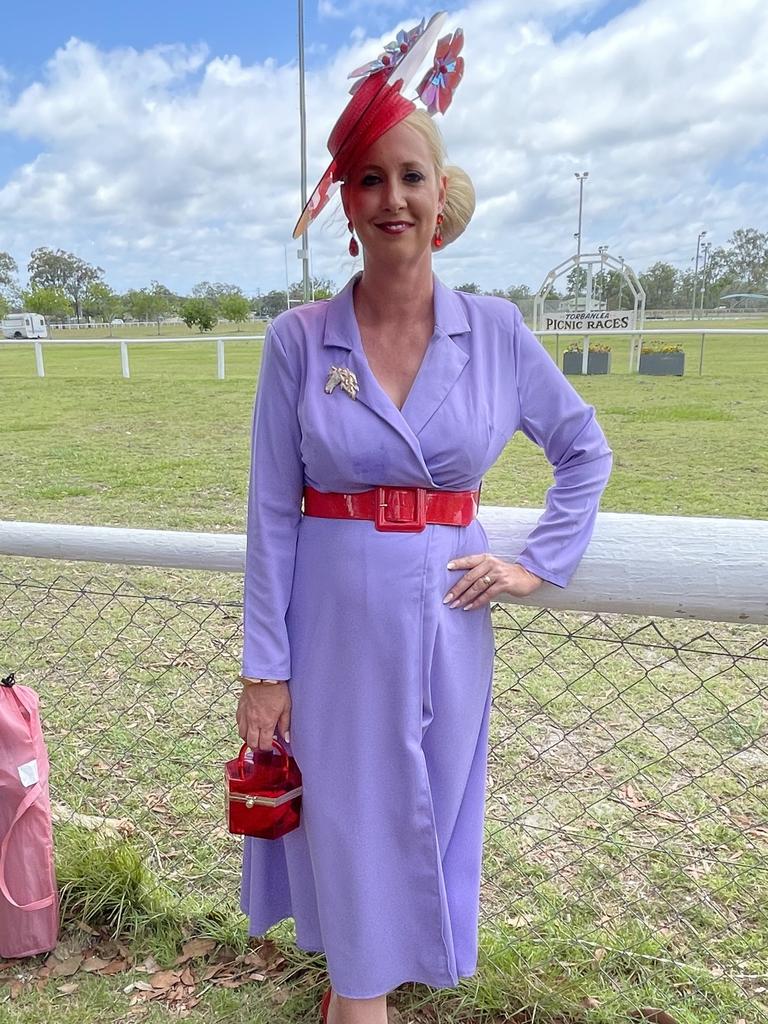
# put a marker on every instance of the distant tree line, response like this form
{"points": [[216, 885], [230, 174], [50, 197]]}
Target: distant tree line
{"points": [[740, 266], [62, 286]]}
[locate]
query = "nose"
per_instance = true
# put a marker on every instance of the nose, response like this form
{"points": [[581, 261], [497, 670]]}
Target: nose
{"points": [[393, 194]]}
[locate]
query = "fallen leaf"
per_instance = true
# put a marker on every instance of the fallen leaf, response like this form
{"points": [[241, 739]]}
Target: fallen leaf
{"points": [[195, 948], [115, 967], [69, 988], [590, 1003], [654, 1015], [255, 959], [95, 963], [187, 977], [66, 968], [164, 979]]}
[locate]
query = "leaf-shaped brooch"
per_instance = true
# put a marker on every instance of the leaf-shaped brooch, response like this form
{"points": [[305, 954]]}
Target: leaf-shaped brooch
{"points": [[346, 380]]}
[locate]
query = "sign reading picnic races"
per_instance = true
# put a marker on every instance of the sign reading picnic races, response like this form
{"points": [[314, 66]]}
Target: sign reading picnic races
{"points": [[596, 320]]}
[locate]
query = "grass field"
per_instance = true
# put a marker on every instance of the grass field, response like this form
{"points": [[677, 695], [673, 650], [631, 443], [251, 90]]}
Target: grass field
{"points": [[625, 859]]}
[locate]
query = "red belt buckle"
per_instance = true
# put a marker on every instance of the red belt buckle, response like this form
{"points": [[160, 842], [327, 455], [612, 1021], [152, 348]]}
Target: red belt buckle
{"points": [[385, 502]]}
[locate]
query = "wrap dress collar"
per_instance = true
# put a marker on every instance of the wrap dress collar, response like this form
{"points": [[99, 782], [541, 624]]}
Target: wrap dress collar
{"points": [[440, 368]]}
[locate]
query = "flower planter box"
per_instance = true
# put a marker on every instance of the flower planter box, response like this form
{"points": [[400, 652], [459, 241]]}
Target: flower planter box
{"points": [[598, 362], [661, 364]]}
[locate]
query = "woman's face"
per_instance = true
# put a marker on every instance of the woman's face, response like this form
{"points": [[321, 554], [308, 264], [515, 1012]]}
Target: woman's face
{"points": [[393, 196]]}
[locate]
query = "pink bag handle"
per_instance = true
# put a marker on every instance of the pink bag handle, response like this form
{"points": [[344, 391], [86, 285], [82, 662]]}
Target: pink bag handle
{"points": [[35, 792]]}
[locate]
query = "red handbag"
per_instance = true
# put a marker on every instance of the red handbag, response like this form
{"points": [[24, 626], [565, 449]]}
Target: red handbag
{"points": [[263, 793]]}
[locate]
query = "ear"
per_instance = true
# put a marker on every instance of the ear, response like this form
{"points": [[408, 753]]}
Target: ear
{"points": [[344, 202], [442, 192]]}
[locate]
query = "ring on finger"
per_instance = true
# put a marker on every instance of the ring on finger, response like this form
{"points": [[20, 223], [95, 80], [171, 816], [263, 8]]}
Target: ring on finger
{"points": [[487, 580]]}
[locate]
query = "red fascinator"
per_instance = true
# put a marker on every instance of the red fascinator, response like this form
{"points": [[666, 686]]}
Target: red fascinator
{"points": [[378, 103]]}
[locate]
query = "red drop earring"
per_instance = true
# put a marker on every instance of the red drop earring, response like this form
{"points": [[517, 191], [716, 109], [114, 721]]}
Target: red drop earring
{"points": [[354, 248], [437, 238]]}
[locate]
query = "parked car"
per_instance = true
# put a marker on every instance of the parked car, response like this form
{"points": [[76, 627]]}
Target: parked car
{"points": [[24, 325]]}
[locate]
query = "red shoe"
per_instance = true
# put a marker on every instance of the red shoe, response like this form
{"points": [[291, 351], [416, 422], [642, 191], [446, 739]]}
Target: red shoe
{"points": [[324, 1006]]}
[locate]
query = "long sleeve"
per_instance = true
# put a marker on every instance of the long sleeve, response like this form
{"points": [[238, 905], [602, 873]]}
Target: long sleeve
{"points": [[555, 417], [274, 512]]}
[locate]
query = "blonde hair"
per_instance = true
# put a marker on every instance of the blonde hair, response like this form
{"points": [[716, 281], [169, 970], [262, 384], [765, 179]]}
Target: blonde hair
{"points": [[460, 192]]}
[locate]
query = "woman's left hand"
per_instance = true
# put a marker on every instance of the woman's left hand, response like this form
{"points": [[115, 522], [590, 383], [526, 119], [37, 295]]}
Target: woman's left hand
{"points": [[488, 577]]}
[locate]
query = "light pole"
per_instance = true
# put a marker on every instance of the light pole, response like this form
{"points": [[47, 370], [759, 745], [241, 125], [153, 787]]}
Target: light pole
{"points": [[304, 251], [603, 249], [705, 267], [621, 279], [696, 273], [581, 178]]}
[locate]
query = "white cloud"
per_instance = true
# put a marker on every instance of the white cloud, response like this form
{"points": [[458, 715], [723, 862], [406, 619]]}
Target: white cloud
{"points": [[173, 164]]}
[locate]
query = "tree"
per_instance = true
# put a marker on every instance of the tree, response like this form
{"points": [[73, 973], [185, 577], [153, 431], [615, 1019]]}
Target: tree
{"points": [[9, 285], [100, 302], [576, 282], [272, 304], [661, 283], [199, 312], [62, 271], [234, 307], [319, 287], [471, 288], [51, 302], [215, 291]]}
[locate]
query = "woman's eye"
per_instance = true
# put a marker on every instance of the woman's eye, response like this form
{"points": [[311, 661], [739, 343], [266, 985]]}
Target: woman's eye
{"points": [[370, 179], [414, 176]]}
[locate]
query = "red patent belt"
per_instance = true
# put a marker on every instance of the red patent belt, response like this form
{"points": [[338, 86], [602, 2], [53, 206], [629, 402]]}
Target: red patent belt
{"points": [[399, 509]]}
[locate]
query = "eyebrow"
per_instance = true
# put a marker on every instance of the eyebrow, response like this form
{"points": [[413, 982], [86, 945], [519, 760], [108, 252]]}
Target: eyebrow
{"points": [[407, 163]]}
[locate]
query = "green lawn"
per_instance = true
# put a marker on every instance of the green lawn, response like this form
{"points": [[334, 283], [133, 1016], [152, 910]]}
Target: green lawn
{"points": [[625, 861]]}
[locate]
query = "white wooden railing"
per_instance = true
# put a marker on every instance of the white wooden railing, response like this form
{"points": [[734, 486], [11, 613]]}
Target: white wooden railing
{"points": [[634, 336], [667, 566], [125, 342]]}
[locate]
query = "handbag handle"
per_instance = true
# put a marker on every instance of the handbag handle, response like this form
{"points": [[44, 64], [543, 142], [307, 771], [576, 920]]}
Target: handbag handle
{"points": [[34, 794], [275, 743]]}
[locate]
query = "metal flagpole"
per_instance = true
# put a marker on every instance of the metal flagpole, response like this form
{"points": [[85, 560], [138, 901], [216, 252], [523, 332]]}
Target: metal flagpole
{"points": [[304, 251]]}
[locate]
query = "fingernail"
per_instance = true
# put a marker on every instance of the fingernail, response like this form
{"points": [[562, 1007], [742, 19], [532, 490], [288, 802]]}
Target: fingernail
{"points": [[448, 598], [468, 606], [287, 736], [451, 565], [455, 604]]}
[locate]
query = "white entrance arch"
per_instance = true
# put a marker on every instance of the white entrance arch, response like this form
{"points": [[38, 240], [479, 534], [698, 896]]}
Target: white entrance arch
{"points": [[577, 320]]}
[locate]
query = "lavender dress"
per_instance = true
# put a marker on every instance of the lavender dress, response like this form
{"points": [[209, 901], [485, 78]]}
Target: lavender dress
{"points": [[391, 689]]}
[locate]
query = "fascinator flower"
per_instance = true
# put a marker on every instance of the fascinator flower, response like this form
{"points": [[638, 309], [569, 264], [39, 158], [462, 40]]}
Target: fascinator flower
{"points": [[437, 86]]}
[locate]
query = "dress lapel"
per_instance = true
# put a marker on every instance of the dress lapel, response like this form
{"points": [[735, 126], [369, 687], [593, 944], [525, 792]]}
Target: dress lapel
{"points": [[443, 361]]}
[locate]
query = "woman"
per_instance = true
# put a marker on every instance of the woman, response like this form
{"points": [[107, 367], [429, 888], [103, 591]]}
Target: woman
{"points": [[367, 620]]}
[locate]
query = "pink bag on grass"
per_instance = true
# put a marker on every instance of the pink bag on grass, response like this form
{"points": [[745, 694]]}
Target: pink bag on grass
{"points": [[29, 901]]}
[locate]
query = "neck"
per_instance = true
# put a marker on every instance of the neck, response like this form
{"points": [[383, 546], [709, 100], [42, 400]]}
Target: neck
{"points": [[396, 294]]}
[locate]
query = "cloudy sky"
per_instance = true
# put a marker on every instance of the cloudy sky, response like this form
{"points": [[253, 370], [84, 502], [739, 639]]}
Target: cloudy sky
{"points": [[161, 140]]}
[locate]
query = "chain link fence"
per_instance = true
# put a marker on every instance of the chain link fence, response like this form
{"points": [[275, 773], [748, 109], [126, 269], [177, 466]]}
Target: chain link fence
{"points": [[627, 802]]}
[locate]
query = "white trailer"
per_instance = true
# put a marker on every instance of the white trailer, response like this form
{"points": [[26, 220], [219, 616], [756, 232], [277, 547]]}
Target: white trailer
{"points": [[24, 325]]}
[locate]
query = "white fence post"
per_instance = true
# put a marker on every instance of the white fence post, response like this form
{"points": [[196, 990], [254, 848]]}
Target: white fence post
{"points": [[39, 359], [220, 359], [124, 360]]}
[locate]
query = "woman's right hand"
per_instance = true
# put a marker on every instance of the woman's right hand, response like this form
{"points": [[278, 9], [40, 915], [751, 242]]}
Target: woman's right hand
{"points": [[264, 708]]}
